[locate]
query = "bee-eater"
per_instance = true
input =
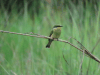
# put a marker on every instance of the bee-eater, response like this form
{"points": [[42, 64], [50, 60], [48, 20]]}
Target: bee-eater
{"points": [[55, 34]]}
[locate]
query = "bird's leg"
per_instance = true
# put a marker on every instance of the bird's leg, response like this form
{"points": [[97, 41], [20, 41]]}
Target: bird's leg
{"points": [[53, 38], [57, 39]]}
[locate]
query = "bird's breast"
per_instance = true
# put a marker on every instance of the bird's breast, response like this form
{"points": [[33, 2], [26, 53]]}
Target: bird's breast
{"points": [[56, 33]]}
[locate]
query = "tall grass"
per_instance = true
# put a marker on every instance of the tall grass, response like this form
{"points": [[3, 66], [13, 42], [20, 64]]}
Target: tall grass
{"points": [[24, 55]]}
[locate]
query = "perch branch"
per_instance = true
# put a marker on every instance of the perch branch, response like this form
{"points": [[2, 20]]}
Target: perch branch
{"points": [[42, 36]]}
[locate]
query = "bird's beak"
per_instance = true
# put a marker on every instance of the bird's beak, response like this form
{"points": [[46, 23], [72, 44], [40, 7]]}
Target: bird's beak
{"points": [[61, 26]]}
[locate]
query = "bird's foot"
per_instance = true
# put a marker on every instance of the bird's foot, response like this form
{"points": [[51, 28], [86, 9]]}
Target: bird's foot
{"points": [[53, 38], [57, 39]]}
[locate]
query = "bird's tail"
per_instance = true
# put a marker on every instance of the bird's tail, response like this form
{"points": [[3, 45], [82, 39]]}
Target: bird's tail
{"points": [[49, 43]]}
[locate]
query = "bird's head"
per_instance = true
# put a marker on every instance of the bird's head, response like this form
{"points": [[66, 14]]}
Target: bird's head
{"points": [[56, 26]]}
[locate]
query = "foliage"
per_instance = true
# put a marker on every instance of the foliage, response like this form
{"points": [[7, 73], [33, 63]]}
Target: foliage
{"points": [[24, 55]]}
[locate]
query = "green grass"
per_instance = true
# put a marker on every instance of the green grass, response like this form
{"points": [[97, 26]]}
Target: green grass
{"points": [[26, 55]]}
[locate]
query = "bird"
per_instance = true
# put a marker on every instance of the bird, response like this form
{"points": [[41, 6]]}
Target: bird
{"points": [[55, 34]]}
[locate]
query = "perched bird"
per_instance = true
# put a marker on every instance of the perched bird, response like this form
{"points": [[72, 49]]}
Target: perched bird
{"points": [[55, 34]]}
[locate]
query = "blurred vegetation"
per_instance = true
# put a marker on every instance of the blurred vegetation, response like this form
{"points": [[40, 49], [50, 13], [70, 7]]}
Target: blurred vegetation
{"points": [[23, 55]]}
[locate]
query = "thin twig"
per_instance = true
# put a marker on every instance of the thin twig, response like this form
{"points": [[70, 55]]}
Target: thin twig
{"points": [[87, 52], [95, 45], [36, 34], [63, 52], [45, 37], [92, 52], [13, 72], [81, 63], [27, 35], [5, 70]]}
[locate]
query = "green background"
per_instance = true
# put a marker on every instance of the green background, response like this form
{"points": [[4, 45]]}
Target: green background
{"points": [[24, 55]]}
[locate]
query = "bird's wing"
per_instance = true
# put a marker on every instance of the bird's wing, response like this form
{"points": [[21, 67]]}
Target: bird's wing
{"points": [[51, 33]]}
